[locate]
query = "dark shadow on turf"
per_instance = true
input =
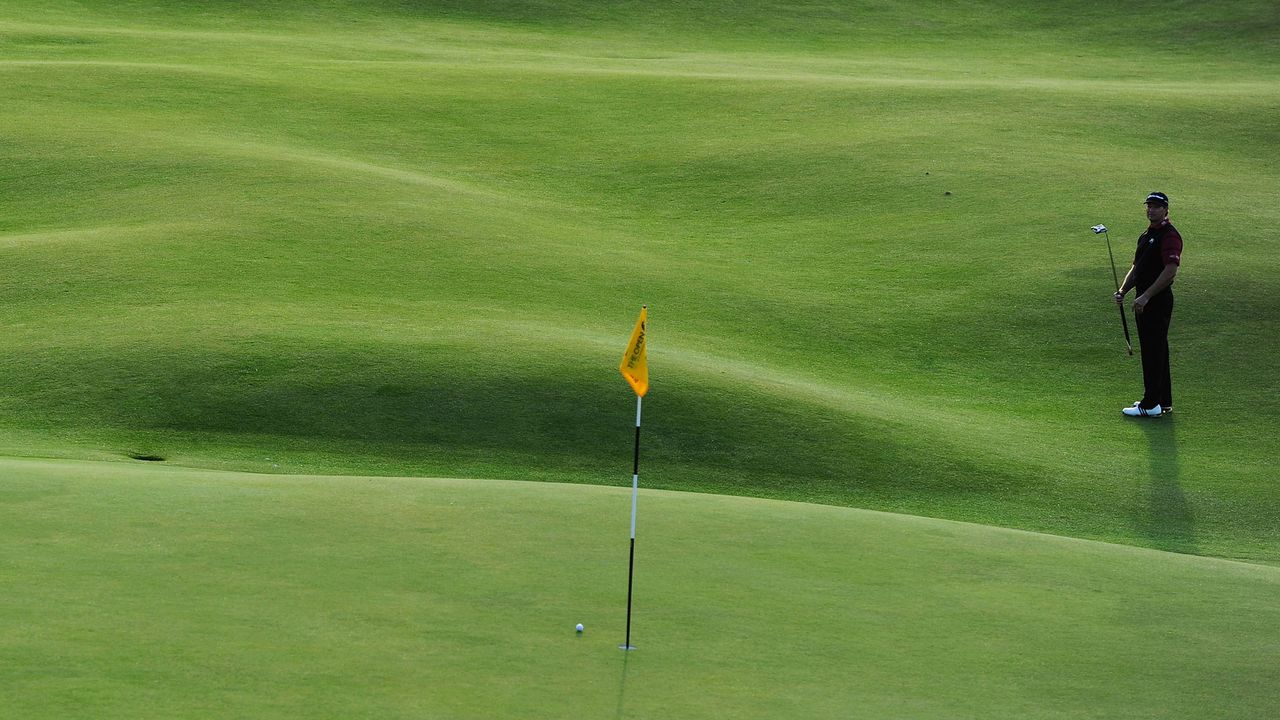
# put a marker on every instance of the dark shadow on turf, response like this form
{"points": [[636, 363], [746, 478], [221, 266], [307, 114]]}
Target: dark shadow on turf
{"points": [[622, 685], [1169, 522], [463, 409]]}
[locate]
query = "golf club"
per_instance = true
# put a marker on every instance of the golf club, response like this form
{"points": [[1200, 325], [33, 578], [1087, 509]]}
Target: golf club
{"points": [[1124, 322]]}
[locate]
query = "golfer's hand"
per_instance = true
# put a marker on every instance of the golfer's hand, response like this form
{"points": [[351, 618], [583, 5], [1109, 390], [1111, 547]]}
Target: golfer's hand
{"points": [[1119, 298], [1139, 303]]}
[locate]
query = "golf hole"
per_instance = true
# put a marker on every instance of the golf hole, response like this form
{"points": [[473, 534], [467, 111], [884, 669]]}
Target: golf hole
{"points": [[146, 458]]}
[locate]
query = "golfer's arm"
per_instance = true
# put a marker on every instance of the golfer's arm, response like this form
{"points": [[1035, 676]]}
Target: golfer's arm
{"points": [[1128, 281], [1162, 281]]}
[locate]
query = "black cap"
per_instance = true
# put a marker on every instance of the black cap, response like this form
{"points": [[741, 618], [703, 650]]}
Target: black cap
{"points": [[1158, 198]]}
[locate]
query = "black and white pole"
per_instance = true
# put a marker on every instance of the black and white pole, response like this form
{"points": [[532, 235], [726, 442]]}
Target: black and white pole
{"points": [[635, 496]]}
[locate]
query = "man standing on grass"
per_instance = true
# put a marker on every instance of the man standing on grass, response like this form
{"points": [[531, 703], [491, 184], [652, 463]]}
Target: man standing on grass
{"points": [[1155, 263]]}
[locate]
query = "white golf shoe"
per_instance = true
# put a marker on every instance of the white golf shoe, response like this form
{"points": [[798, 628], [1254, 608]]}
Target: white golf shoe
{"points": [[1136, 410]]}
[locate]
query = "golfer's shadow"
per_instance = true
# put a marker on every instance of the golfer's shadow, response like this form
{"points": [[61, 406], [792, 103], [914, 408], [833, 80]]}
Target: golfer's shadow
{"points": [[1169, 521]]}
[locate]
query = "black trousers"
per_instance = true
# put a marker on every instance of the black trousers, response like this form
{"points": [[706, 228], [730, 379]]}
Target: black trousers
{"points": [[1153, 337]]}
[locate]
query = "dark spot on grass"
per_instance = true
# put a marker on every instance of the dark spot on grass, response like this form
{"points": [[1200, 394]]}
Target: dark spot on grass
{"points": [[146, 458], [42, 39]]}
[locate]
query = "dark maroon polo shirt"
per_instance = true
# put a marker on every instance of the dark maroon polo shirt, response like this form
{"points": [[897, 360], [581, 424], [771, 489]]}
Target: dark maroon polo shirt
{"points": [[1160, 245]]}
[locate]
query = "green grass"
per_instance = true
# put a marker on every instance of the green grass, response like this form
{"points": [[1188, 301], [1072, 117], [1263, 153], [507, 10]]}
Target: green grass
{"points": [[179, 593], [410, 238]]}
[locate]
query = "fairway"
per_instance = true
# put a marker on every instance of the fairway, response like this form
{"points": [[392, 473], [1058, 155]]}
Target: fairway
{"points": [[178, 593], [271, 273], [387, 240]]}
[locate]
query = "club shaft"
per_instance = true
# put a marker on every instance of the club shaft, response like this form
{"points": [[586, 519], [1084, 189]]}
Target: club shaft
{"points": [[1124, 321], [1114, 275]]}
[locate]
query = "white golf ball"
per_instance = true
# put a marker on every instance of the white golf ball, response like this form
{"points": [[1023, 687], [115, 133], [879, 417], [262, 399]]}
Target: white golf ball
{"points": [[579, 627]]}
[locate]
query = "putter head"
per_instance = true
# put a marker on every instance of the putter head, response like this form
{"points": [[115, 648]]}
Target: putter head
{"points": [[1098, 229]]}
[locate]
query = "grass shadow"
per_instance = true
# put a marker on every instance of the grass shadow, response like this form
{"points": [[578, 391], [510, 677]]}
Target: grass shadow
{"points": [[469, 410], [1169, 522], [622, 685]]}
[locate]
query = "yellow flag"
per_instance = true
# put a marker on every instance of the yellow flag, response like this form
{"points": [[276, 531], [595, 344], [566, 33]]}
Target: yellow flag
{"points": [[635, 361]]}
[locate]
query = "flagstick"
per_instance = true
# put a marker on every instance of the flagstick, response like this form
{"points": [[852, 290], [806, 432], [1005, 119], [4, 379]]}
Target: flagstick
{"points": [[635, 493]]}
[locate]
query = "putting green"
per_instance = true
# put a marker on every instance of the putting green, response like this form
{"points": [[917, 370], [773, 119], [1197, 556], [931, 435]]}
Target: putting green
{"points": [[410, 239], [146, 591]]}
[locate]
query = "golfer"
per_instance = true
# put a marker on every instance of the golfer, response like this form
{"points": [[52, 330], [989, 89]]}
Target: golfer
{"points": [[1155, 264]]}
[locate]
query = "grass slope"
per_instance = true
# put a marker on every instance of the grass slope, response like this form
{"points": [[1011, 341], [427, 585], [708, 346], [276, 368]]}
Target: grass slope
{"points": [[410, 238], [160, 592]]}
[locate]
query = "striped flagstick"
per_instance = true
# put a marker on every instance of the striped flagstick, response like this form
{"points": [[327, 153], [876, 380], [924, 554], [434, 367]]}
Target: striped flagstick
{"points": [[635, 494], [635, 369]]}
